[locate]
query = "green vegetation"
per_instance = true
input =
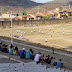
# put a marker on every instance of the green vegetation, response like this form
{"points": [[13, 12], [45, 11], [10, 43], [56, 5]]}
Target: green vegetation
{"points": [[46, 17], [25, 13], [64, 17]]}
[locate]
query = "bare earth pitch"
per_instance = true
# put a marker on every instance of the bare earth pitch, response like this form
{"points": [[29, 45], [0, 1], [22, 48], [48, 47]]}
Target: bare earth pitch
{"points": [[57, 35]]}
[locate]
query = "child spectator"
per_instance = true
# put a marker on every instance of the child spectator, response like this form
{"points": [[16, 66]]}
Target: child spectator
{"points": [[16, 52], [16, 48], [11, 49]]}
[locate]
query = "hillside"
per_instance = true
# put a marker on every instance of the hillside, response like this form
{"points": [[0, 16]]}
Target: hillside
{"points": [[51, 6], [30, 6], [47, 6], [63, 1], [17, 4]]}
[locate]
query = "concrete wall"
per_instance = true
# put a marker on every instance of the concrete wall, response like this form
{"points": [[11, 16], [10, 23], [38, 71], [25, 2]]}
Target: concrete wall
{"points": [[33, 22]]}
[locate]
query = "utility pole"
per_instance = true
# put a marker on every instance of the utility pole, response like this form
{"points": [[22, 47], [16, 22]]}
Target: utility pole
{"points": [[11, 30], [1, 12], [38, 9], [69, 6]]}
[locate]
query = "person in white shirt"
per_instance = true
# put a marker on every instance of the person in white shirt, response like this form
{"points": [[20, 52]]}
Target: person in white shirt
{"points": [[37, 58]]}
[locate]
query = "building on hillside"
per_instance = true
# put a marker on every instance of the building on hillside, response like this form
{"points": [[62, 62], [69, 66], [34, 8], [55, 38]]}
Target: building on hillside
{"points": [[28, 17], [7, 16], [37, 16], [18, 14], [70, 12], [51, 15], [17, 18], [24, 17], [40, 16], [62, 14]]}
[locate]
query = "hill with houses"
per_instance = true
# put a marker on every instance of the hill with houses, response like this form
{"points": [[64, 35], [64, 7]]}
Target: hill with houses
{"points": [[54, 9]]}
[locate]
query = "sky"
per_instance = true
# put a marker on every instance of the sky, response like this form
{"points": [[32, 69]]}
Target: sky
{"points": [[42, 1]]}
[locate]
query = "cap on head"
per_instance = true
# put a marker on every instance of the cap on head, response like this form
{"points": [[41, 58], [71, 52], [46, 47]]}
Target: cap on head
{"points": [[39, 52], [23, 48]]}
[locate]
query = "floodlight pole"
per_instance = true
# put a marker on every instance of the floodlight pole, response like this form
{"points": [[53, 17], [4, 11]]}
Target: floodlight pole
{"points": [[11, 29]]}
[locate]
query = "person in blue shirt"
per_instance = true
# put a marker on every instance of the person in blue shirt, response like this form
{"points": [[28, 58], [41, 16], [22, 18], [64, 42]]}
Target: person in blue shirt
{"points": [[28, 54], [22, 53], [11, 49], [59, 64]]}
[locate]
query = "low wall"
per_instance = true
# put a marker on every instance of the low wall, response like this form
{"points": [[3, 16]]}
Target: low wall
{"points": [[5, 24]]}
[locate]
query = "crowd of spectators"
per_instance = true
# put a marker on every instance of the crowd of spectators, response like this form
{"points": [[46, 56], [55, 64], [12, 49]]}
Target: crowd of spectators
{"points": [[38, 58]]}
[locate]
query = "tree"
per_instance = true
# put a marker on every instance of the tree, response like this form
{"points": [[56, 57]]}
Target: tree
{"points": [[65, 16], [46, 17], [25, 13]]}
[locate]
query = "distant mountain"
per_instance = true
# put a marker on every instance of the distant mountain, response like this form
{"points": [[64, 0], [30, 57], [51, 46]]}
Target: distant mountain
{"points": [[32, 7], [65, 4], [47, 6], [63, 1], [25, 3], [17, 4]]}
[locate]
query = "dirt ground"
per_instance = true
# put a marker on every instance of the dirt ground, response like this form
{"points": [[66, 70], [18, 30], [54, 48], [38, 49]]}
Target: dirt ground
{"points": [[57, 35]]}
